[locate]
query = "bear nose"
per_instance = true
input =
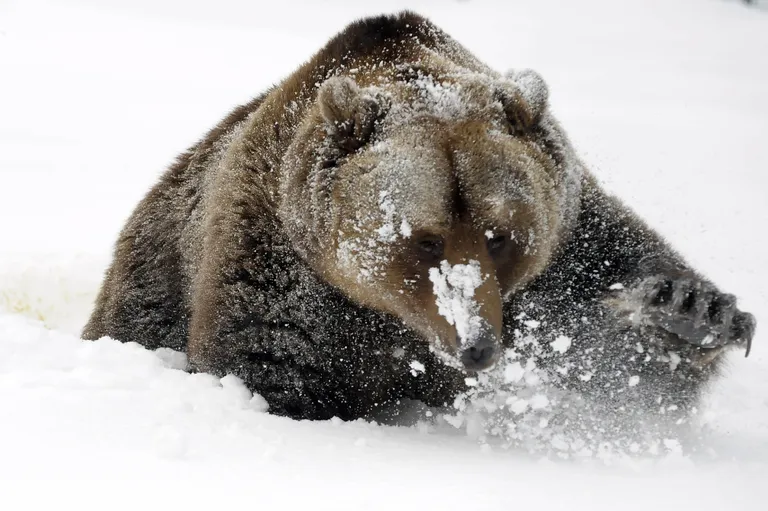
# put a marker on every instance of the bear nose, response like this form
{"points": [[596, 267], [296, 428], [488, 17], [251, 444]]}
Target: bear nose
{"points": [[482, 354]]}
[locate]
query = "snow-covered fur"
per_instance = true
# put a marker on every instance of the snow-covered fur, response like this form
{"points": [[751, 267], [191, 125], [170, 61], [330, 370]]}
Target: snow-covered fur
{"points": [[390, 215]]}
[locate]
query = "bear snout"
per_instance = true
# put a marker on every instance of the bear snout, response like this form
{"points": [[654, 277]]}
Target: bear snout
{"points": [[483, 353]]}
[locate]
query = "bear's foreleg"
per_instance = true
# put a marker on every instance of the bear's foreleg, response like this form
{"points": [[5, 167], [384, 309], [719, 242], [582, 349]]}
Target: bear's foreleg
{"points": [[647, 331]]}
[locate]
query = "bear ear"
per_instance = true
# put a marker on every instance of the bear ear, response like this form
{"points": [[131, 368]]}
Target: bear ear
{"points": [[349, 113], [524, 96]]}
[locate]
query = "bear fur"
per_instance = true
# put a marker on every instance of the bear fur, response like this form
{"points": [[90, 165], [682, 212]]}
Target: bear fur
{"points": [[299, 245]]}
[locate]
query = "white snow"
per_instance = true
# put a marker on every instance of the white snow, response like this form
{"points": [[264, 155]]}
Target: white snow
{"points": [[454, 288], [674, 360], [539, 401], [416, 367], [442, 99], [387, 232], [665, 99], [532, 324], [405, 229], [513, 372], [561, 344]]}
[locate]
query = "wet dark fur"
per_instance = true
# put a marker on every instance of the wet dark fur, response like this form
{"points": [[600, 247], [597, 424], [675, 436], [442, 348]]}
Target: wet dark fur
{"points": [[257, 310]]}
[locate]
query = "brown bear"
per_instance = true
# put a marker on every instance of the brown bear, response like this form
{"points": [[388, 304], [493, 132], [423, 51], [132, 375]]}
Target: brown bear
{"points": [[383, 222]]}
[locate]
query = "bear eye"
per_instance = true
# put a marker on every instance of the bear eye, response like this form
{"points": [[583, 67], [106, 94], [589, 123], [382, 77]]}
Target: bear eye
{"points": [[430, 248], [496, 245]]}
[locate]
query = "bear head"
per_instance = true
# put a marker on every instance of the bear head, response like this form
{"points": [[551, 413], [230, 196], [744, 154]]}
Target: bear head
{"points": [[431, 194]]}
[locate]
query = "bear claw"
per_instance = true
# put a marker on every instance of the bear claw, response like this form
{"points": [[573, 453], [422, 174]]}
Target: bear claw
{"points": [[696, 312]]}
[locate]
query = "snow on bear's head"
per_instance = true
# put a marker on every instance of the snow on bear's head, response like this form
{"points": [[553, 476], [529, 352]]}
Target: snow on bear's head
{"points": [[431, 195]]}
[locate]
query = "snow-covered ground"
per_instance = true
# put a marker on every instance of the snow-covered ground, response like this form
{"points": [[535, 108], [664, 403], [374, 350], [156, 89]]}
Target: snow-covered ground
{"points": [[666, 99]]}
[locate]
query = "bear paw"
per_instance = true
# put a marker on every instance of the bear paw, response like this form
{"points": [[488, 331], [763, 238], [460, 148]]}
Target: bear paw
{"points": [[693, 311]]}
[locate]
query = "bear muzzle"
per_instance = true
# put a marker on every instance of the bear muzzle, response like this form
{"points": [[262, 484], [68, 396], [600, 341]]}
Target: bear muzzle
{"points": [[483, 352]]}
